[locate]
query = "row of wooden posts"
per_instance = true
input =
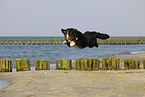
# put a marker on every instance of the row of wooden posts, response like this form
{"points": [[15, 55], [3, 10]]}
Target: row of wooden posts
{"points": [[31, 41], [60, 41], [65, 64]]}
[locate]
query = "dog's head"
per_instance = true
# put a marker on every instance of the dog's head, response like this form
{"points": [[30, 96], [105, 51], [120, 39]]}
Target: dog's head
{"points": [[71, 34]]}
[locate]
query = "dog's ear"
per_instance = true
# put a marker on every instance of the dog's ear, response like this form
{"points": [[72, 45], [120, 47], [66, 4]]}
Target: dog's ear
{"points": [[63, 31]]}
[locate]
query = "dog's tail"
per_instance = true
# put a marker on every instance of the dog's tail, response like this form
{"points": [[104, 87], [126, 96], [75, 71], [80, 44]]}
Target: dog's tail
{"points": [[102, 35]]}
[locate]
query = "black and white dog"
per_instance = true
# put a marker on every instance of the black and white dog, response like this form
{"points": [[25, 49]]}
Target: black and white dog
{"points": [[74, 38]]}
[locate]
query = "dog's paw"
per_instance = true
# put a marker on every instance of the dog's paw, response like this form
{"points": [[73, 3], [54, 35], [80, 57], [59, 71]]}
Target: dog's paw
{"points": [[65, 42], [72, 43]]}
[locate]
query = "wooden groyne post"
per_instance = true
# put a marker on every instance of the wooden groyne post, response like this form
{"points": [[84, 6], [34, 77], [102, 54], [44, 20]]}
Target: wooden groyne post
{"points": [[78, 64], [131, 64], [5, 65], [84, 64], [22, 65], [65, 64], [110, 63], [42, 65], [87, 64], [144, 64], [94, 64]]}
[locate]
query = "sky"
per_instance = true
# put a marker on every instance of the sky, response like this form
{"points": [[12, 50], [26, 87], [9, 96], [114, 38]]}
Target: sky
{"points": [[48, 17]]}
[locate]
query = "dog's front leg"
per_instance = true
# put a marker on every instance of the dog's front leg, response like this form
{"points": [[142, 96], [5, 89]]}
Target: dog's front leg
{"points": [[65, 42]]}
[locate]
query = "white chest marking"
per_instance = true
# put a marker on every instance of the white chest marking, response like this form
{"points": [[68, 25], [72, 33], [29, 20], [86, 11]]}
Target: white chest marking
{"points": [[67, 36], [73, 44]]}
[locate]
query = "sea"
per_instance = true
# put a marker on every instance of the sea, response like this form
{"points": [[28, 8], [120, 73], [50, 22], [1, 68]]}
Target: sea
{"points": [[61, 51]]}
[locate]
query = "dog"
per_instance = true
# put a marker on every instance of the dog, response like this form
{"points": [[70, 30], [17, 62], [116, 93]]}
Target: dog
{"points": [[75, 38]]}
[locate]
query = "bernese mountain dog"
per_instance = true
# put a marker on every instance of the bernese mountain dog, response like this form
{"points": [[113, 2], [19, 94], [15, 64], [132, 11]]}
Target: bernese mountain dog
{"points": [[74, 38]]}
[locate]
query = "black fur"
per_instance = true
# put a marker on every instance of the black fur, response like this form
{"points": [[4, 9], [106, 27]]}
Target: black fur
{"points": [[88, 39]]}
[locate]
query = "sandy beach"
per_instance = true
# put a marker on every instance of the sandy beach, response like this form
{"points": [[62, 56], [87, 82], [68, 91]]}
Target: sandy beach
{"points": [[76, 83]]}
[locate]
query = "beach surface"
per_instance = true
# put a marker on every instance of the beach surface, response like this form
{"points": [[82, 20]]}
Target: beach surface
{"points": [[76, 83]]}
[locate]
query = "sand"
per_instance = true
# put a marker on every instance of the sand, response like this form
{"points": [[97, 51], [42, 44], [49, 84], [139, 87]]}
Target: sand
{"points": [[76, 83]]}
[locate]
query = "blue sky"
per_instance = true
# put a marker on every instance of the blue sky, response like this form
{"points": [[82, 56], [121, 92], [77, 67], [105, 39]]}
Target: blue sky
{"points": [[47, 17]]}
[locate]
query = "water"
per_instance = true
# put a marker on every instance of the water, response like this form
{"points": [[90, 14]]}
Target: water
{"points": [[57, 52], [4, 84]]}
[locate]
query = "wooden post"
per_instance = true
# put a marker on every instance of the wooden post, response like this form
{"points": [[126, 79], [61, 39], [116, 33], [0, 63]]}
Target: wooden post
{"points": [[61, 64], [84, 64], [19, 42], [42, 65], [5, 65], [123, 42], [100, 42], [22, 65], [51, 42], [24, 42], [137, 64], [47, 42], [144, 64], [137, 42], [42, 42], [104, 42], [126, 64], [60, 41], [118, 63], [134, 42], [6, 42], [104, 64], [15, 42], [56, 41], [11, 42], [114, 64], [38, 42], [96, 63], [131, 64], [33, 42], [90, 64], [109, 62], [2, 42], [115, 42], [65, 64], [29, 42], [141, 42], [119, 42], [57, 66], [78, 64]]}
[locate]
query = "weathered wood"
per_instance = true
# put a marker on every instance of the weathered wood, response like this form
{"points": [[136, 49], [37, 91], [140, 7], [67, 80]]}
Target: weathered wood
{"points": [[22, 65], [47, 42], [65, 64], [144, 64], [137, 64], [57, 66], [104, 64], [24, 42], [5, 65], [131, 64], [84, 64], [95, 64], [78, 64], [42, 65], [33, 42], [126, 64]]}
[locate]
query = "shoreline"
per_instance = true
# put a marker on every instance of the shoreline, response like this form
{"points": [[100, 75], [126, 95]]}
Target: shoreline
{"points": [[76, 82]]}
